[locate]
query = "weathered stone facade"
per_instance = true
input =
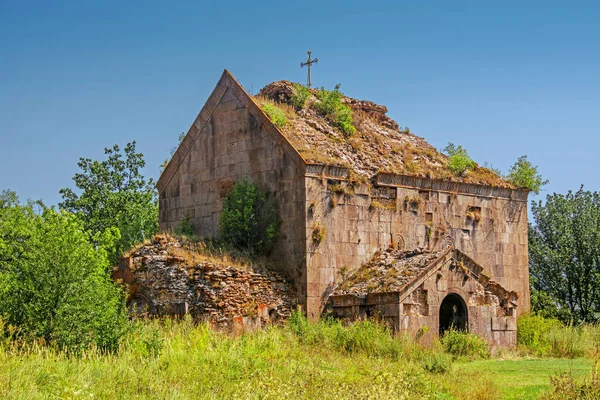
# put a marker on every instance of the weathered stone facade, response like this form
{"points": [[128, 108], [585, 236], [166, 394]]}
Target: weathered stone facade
{"points": [[488, 224], [233, 139], [424, 305]]}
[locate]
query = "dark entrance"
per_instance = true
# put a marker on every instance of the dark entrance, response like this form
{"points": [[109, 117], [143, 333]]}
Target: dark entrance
{"points": [[453, 314]]}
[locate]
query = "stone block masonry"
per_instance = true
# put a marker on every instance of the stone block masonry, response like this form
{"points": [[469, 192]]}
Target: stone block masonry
{"points": [[166, 278], [342, 199]]}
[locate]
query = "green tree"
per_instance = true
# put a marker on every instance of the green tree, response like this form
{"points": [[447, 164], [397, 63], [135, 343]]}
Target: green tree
{"points": [[564, 254], [459, 161], [114, 193], [53, 280], [525, 175], [249, 219]]}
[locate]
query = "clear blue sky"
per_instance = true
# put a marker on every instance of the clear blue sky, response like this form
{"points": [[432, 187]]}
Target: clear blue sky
{"points": [[501, 78]]}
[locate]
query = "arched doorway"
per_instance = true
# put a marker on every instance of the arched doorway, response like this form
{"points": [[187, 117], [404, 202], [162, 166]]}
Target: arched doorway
{"points": [[453, 313]]}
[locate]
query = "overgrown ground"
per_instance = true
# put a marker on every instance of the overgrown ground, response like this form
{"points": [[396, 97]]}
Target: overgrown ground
{"points": [[519, 378], [180, 360]]}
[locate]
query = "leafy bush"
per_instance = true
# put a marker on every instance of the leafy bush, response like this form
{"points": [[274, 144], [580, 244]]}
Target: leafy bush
{"points": [[300, 94], [532, 332], [525, 175], [249, 219], [549, 337], [459, 161], [275, 114], [53, 280], [465, 344], [331, 106]]}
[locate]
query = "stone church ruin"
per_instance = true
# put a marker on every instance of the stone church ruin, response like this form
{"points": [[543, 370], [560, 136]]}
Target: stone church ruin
{"points": [[372, 224]]}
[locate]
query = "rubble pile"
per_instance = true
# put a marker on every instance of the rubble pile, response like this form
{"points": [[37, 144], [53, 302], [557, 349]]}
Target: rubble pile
{"points": [[166, 277], [388, 271]]}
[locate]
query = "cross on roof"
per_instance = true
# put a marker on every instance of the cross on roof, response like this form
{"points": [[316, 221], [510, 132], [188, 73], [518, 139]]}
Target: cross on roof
{"points": [[308, 63]]}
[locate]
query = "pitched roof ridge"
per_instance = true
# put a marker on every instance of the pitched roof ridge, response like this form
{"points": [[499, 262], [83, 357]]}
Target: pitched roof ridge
{"points": [[226, 82]]}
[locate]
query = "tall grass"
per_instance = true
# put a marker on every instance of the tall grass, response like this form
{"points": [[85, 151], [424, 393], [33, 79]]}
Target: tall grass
{"points": [[171, 359], [465, 345], [179, 359], [545, 337]]}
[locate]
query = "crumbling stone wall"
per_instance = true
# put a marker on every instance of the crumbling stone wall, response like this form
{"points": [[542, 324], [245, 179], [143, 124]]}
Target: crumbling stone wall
{"points": [[162, 279], [488, 224], [232, 140]]}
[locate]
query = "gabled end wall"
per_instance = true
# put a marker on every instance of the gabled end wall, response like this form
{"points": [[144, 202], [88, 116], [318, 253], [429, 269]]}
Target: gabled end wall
{"points": [[231, 140]]}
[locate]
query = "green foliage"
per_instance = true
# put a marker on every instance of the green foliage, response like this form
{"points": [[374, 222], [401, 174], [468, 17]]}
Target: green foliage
{"points": [[164, 359], [566, 386], [564, 253], [300, 94], [297, 360], [249, 219], [53, 281], [533, 331], [544, 337], [459, 161], [114, 194], [185, 228], [436, 362], [275, 114], [368, 337], [465, 345], [525, 175], [544, 305], [331, 106], [365, 336]]}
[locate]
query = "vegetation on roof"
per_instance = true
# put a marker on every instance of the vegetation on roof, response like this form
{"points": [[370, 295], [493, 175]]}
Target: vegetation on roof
{"points": [[300, 95], [330, 105], [275, 114], [525, 175], [459, 161], [326, 127]]}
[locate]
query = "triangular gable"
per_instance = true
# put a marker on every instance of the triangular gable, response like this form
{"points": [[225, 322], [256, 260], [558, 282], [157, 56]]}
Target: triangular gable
{"points": [[450, 255], [227, 84], [468, 266]]}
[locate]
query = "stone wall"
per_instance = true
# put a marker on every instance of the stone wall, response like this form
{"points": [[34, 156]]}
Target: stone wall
{"points": [[488, 224], [490, 310], [166, 277], [231, 140]]}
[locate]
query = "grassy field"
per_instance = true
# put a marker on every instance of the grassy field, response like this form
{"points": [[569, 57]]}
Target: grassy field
{"points": [[180, 360], [519, 378]]}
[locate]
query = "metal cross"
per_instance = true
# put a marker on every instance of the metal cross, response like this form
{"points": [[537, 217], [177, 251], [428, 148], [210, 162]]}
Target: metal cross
{"points": [[308, 63]]}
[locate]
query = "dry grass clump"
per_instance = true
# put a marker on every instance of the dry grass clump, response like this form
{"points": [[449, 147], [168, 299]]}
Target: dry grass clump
{"points": [[191, 252], [319, 232]]}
